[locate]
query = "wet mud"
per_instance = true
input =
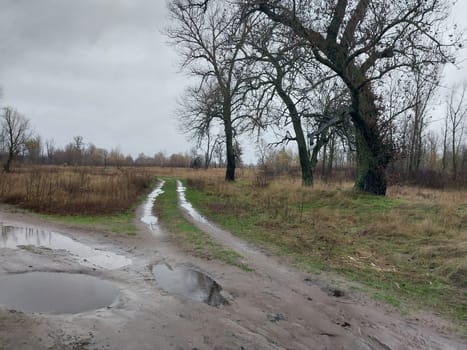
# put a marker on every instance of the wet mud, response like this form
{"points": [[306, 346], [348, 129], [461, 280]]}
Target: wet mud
{"points": [[168, 306], [148, 216], [187, 205]]}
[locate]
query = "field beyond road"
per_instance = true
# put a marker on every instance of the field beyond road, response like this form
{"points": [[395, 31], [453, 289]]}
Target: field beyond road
{"points": [[408, 249]]}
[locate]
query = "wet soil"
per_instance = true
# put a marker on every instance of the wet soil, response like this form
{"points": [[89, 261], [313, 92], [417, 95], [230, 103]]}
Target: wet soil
{"points": [[148, 216], [272, 307]]}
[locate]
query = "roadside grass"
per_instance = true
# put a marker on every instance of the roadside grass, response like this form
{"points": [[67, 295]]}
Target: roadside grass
{"points": [[91, 197], [410, 250], [118, 223], [188, 235]]}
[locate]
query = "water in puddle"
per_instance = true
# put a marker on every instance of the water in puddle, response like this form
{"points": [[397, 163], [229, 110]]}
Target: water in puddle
{"points": [[55, 293], [148, 217], [189, 283], [14, 237], [187, 205]]}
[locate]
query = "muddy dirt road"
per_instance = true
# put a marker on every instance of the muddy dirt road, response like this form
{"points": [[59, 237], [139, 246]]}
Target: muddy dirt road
{"points": [[194, 304]]}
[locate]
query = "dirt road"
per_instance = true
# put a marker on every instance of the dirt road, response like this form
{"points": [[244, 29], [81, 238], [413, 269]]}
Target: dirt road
{"points": [[273, 307]]}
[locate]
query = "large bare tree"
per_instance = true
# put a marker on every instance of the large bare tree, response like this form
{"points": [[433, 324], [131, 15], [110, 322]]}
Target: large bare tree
{"points": [[363, 42], [293, 93], [210, 36], [15, 132]]}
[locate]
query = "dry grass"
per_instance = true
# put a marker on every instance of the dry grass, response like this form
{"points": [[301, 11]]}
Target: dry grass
{"points": [[411, 244], [73, 191]]}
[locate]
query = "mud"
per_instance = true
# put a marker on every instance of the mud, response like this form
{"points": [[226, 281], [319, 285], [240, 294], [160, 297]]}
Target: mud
{"points": [[148, 216], [187, 206], [55, 293], [270, 308], [189, 283]]}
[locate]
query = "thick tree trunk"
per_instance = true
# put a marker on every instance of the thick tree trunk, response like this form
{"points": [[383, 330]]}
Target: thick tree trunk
{"points": [[371, 166], [307, 171], [372, 154]]}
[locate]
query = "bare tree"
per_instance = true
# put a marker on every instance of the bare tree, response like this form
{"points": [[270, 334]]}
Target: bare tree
{"points": [[201, 118], [421, 93], [15, 130], [363, 42], [210, 36], [456, 120], [291, 90]]}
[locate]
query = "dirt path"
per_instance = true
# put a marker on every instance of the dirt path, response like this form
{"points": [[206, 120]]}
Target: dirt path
{"points": [[274, 307]]}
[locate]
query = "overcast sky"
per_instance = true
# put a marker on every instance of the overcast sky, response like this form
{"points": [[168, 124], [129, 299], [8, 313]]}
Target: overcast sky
{"points": [[100, 69]]}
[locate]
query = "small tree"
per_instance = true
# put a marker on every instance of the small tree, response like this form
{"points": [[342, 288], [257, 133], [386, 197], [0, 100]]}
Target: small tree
{"points": [[456, 119], [16, 131]]}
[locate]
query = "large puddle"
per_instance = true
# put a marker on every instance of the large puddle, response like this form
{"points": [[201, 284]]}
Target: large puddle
{"points": [[16, 237], [189, 283], [148, 217], [55, 293], [187, 205]]}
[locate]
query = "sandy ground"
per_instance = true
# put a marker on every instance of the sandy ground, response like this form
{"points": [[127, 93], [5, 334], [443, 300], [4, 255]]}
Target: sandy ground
{"points": [[273, 307]]}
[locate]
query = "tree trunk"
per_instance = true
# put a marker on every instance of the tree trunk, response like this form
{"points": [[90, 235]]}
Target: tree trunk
{"points": [[6, 166], [230, 151], [445, 146], [372, 154], [320, 142], [454, 153], [306, 168], [307, 171], [371, 174], [332, 152]]}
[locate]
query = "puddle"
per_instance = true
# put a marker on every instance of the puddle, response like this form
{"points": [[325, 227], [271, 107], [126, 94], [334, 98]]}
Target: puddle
{"points": [[187, 205], [148, 217], [189, 283], [55, 293], [14, 237]]}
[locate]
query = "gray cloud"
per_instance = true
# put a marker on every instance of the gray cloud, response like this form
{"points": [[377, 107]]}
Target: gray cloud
{"points": [[100, 69]]}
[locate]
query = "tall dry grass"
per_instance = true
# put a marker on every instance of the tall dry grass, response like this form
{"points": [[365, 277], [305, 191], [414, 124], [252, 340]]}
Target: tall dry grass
{"points": [[72, 191], [413, 242]]}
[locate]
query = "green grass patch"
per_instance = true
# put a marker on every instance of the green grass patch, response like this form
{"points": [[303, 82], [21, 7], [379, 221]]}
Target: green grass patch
{"points": [[188, 235], [118, 223], [410, 254]]}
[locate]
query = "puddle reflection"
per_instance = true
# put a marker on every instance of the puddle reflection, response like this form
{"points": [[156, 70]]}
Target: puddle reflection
{"points": [[189, 283], [14, 237], [55, 293]]}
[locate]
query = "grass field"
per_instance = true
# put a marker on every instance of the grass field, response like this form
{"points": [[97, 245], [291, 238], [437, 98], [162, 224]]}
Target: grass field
{"points": [[409, 248]]}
